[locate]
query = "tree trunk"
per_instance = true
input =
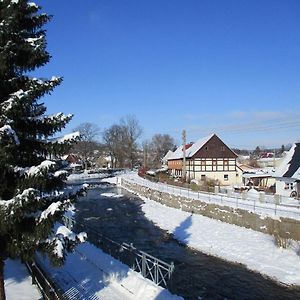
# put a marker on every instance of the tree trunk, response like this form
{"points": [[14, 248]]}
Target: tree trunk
{"points": [[2, 291]]}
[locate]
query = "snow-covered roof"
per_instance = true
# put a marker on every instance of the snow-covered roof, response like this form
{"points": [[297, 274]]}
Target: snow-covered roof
{"points": [[268, 159], [290, 166], [178, 154], [166, 157]]}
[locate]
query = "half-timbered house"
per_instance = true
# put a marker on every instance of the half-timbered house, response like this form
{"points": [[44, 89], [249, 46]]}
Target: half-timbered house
{"points": [[210, 158]]}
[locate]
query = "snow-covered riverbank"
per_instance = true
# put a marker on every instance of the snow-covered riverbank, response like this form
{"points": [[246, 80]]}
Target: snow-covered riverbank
{"points": [[89, 273], [17, 282], [255, 250]]}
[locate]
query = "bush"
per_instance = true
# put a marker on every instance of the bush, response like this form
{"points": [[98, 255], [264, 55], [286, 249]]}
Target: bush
{"points": [[282, 242]]}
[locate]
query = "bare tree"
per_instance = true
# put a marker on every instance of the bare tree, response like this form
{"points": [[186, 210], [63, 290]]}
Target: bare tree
{"points": [[114, 139], [121, 140], [132, 131], [160, 144], [87, 144]]}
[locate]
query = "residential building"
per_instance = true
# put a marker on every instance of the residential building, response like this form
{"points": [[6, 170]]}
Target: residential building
{"points": [[208, 158], [288, 173]]}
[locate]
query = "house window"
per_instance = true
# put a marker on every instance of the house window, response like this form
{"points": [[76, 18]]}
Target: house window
{"points": [[288, 186], [225, 177], [226, 164], [202, 177], [206, 148], [214, 164], [223, 148]]}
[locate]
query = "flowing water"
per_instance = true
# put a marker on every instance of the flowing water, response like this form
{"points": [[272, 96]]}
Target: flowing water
{"points": [[196, 275]]}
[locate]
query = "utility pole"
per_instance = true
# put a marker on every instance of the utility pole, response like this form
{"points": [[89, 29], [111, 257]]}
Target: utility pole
{"points": [[145, 155], [183, 155]]}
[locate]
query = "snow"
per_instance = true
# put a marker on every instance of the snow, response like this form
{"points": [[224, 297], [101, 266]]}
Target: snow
{"points": [[59, 247], [269, 207], [151, 172], [19, 94], [51, 210], [60, 173], [111, 180], [192, 150], [113, 195], [32, 41], [71, 137], [44, 166], [6, 129], [85, 175], [17, 282], [198, 145], [54, 78], [7, 105], [257, 251], [285, 164], [32, 4], [64, 231], [90, 272]]}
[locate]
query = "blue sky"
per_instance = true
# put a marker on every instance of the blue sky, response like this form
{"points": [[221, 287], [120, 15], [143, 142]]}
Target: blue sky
{"points": [[229, 67]]}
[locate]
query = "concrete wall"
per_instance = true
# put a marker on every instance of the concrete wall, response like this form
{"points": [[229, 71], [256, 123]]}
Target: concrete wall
{"points": [[283, 227]]}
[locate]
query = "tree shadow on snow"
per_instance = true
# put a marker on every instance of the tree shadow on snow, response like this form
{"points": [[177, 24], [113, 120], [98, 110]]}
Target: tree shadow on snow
{"points": [[88, 273], [15, 270], [181, 233]]}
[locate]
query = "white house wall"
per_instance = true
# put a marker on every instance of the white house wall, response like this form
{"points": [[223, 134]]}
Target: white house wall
{"points": [[223, 170], [285, 189]]}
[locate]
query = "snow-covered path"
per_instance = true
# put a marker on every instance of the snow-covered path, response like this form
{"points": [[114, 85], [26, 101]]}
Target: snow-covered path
{"points": [[18, 282], [250, 203]]}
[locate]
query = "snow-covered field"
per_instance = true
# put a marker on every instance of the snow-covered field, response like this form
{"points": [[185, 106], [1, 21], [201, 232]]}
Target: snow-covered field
{"points": [[18, 282], [255, 250], [91, 273]]}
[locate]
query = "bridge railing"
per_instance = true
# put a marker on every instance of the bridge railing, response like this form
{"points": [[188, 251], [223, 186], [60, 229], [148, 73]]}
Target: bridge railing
{"points": [[47, 288], [148, 266]]}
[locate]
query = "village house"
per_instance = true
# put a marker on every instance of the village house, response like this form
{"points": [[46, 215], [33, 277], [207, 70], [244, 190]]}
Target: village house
{"points": [[288, 173], [208, 158], [166, 157]]}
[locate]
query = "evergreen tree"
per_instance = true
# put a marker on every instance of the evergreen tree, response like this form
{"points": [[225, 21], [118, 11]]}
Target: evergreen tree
{"points": [[32, 194]]}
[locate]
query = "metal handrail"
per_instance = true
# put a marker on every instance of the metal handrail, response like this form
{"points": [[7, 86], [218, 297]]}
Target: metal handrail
{"points": [[46, 287], [155, 269]]}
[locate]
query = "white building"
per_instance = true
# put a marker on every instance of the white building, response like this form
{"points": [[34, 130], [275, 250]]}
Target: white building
{"points": [[288, 173]]}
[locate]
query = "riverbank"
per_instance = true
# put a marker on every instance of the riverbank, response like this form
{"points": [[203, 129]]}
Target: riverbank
{"points": [[90, 273], [256, 250], [18, 282]]}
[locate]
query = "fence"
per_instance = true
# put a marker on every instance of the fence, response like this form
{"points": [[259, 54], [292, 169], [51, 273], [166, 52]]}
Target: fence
{"points": [[149, 266], [47, 288], [262, 204]]}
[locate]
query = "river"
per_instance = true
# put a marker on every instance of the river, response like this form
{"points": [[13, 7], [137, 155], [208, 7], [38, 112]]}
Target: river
{"points": [[196, 275]]}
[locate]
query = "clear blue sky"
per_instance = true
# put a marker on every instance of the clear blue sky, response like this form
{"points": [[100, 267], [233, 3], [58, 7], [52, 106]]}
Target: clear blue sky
{"points": [[230, 67]]}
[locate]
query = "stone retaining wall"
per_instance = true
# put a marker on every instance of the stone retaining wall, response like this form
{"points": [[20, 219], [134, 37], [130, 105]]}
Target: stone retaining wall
{"points": [[281, 227]]}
